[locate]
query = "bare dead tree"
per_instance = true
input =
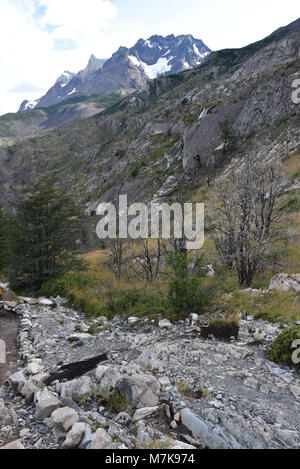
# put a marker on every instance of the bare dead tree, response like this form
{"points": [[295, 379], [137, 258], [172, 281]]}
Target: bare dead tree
{"points": [[243, 215], [115, 259], [148, 259]]}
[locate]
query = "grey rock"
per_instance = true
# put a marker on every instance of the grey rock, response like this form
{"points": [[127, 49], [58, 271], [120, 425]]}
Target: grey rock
{"points": [[123, 418], [17, 381], [87, 438], [77, 388], [65, 417], [165, 324], [141, 414], [141, 390], [74, 436], [46, 403], [101, 439], [285, 282]]}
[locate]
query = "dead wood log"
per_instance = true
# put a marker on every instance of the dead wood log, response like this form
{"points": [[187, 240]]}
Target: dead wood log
{"points": [[77, 369]]}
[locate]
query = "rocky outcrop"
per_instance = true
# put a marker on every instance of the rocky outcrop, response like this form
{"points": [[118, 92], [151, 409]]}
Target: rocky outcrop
{"points": [[285, 282]]}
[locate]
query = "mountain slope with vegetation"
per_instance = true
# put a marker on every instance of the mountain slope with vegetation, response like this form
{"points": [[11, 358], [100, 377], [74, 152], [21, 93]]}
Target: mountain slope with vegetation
{"points": [[162, 140]]}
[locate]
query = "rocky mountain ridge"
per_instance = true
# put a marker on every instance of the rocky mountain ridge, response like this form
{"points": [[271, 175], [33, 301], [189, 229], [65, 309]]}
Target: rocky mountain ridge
{"points": [[127, 70], [160, 142]]}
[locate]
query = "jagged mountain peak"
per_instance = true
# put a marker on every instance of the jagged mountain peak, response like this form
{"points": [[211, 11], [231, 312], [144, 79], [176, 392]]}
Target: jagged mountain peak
{"points": [[159, 55], [94, 64], [65, 78], [128, 70]]}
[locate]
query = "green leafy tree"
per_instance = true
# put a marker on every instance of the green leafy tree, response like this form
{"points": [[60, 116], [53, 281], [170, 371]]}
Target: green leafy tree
{"points": [[185, 293], [45, 236], [227, 135], [5, 230]]}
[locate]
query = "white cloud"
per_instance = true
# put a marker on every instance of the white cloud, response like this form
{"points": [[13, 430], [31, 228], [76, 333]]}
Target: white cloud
{"points": [[78, 19], [42, 38], [37, 53]]}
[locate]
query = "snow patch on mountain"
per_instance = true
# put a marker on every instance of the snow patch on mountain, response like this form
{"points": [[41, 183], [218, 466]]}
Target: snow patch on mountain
{"points": [[148, 43], [72, 92], [153, 71], [31, 105]]}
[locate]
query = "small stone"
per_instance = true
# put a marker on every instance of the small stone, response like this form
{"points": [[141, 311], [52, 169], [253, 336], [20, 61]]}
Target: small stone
{"points": [[259, 336], [141, 414], [173, 425], [35, 367], [101, 439], [87, 438], [133, 320], [194, 318], [45, 302], [164, 381], [28, 391], [123, 418], [24, 432], [164, 324]]}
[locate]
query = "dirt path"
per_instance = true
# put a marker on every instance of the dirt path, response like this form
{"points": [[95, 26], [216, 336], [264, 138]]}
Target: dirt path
{"points": [[8, 334]]}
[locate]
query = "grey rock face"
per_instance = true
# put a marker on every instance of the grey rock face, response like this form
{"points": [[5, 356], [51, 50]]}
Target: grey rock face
{"points": [[201, 430]]}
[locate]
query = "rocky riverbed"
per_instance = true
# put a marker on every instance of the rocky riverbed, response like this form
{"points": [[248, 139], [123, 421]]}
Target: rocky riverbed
{"points": [[167, 388]]}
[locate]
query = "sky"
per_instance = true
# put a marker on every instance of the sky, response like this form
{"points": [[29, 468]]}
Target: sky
{"points": [[42, 38]]}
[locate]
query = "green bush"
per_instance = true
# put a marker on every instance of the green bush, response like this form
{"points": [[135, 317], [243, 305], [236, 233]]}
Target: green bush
{"points": [[189, 119], [62, 285], [115, 401], [185, 293], [135, 303], [281, 351]]}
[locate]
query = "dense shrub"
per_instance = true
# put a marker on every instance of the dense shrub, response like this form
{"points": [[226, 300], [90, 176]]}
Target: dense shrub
{"points": [[282, 349]]}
